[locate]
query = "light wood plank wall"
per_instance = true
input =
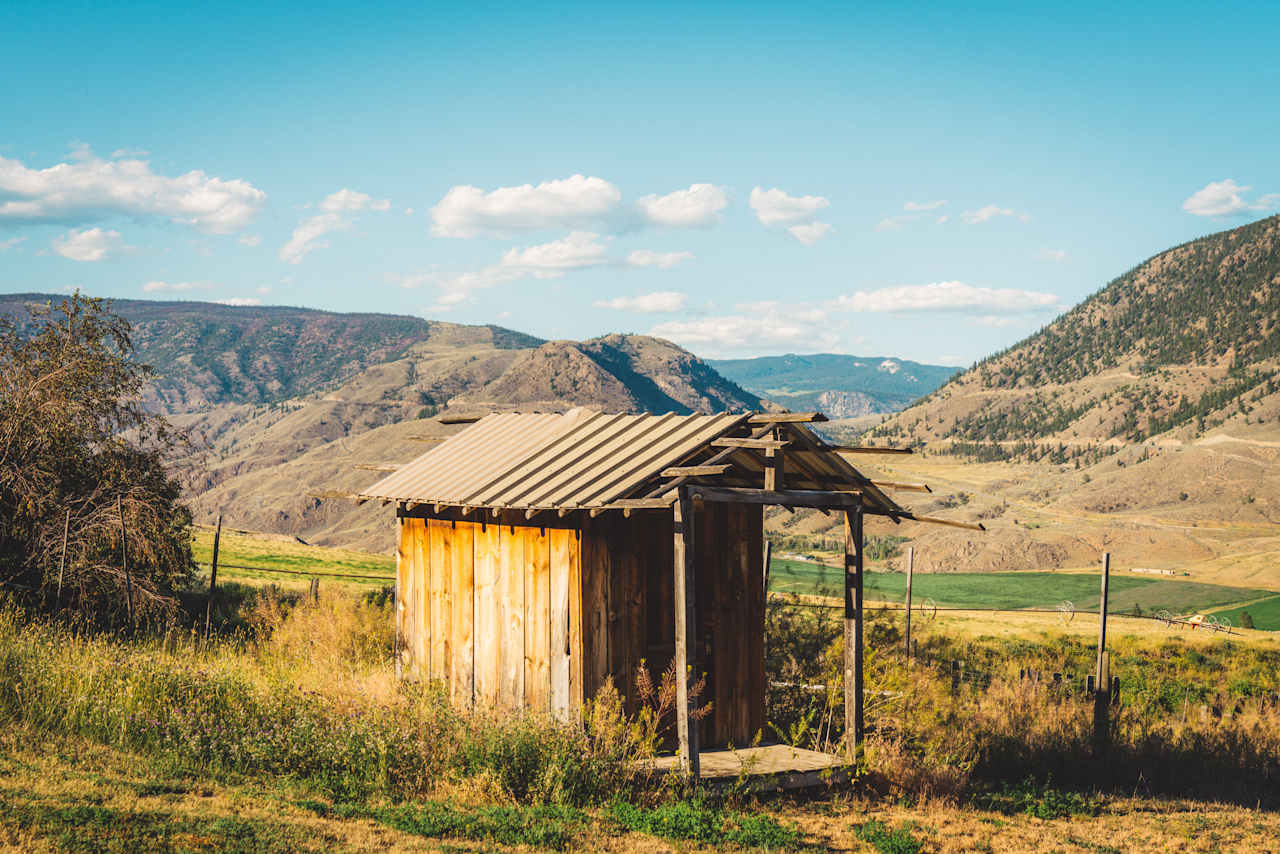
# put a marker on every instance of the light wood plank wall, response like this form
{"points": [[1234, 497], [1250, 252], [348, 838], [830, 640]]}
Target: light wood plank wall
{"points": [[493, 610]]}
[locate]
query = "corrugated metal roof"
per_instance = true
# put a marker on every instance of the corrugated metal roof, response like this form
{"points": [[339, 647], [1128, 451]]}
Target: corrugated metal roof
{"points": [[577, 459]]}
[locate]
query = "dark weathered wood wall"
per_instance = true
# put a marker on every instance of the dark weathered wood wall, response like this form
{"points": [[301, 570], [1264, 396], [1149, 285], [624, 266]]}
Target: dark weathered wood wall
{"points": [[515, 615]]}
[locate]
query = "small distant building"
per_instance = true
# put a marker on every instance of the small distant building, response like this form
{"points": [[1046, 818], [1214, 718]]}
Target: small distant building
{"points": [[540, 554]]}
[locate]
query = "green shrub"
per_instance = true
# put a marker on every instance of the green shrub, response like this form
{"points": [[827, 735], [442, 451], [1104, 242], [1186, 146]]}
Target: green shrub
{"points": [[887, 840]]}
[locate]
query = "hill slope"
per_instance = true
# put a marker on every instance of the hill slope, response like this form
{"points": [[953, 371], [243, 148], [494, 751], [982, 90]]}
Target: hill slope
{"points": [[839, 385], [1184, 343]]}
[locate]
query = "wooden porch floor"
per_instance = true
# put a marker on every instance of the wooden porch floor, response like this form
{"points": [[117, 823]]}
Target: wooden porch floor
{"points": [[774, 766]]}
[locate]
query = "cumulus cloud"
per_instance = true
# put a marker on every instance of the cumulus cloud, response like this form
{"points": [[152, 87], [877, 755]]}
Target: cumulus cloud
{"points": [[90, 188], [467, 211], [923, 206], [239, 301], [775, 207], [661, 260], [351, 200], [990, 212], [579, 249], [700, 205], [174, 287], [943, 296], [6, 245], [891, 223], [309, 234], [87, 244], [1226, 198], [753, 328], [652, 303], [810, 233]]}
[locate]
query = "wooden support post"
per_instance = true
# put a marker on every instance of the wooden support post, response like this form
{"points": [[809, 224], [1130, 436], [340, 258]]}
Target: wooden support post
{"points": [[686, 652], [773, 467], [213, 579], [124, 560], [62, 564], [1102, 678], [396, 604], [853, 699], [315, 589], [911, 565]]}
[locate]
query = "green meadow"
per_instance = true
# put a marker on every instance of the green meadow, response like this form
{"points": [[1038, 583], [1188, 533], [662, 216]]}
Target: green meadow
{"points": [[299, 561]]}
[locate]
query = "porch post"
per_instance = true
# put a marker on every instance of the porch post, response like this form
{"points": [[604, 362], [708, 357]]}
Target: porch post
{"points": [[853, 618], [686, 653]]}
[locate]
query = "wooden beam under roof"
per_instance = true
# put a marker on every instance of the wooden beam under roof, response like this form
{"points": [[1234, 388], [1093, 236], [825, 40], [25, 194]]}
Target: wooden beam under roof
{"points": [[425, 438], [747, 442], [782, 497], [905, 487], [718, 457], [934, 520], [696, 471], [384, 467], [867, 449], [458, 419], [786, 417]]}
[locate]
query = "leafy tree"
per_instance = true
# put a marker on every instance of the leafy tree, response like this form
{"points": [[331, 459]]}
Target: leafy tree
{"points": [[1246, 620], [75, 437]]}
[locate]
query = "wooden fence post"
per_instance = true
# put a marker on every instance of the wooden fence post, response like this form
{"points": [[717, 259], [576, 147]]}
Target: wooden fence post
{"points": [[768, 558], [315, 589], [62, 564], [124, 560], [213, 579], [1102, 677], [911, 564]]}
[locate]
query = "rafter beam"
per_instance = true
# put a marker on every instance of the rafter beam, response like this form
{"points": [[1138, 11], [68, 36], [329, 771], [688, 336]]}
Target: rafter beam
{"points": [[905, 487], [866, 449], [743, 442], [781, 497], [934, 520], [696, 471], [786, 417]]}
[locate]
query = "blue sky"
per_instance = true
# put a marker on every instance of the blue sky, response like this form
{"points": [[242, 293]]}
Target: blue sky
{"points": [[880, 179]]}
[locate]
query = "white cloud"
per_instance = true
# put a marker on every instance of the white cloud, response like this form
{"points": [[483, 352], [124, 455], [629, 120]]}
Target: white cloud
{"points": [[755, 328], [251, 240], [174, 287], [943, 219], [351, 200], [128, 152], [661, 260], [890, 223], [91, 188], [307, 236], [239, 301], [810, 233], [990, 212], [264, 289], [923, 206], [1225, 198], [466, 211], [579, 249], [942, 296], [6, 245], [700, 205], [651, 303], [1055, 255], [775, 207], [87, 244]]}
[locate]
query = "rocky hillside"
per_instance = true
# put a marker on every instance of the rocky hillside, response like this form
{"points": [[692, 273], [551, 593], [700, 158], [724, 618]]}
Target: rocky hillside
{"points": [[841, 386], [1184, 344]]}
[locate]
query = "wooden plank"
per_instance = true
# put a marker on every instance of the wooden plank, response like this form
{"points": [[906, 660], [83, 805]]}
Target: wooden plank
{"points": [[595, 607], [784, 497], [641, 503], [537, 637], [386, 467], [867, 449], [398, 651], [459, 419], [747, 442], [934, 520], [696, 471], [440, 614], [487, 613], [577, 692], [786, 417], [560, 559], [905, 487], [421, 627], [462, 566], [511, 580], [853, 614], [686, 654], [753, 534], [774, 468]]}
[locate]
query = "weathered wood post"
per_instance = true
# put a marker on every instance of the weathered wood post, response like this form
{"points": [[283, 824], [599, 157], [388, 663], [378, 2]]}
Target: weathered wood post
{"points": [[1102, 677], [853, 709], [911, 565], [396, 607], [315, 590], [213, 579], [768, 558], [124, 560], [62, 563], [686, 652]]}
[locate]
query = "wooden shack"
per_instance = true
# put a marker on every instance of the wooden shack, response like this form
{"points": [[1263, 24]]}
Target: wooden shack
{"points": [[541, 554]]}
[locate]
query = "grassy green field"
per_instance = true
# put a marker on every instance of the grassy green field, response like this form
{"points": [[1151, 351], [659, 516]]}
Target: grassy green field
{"points": [[1265, 613], [1032, 590], [240, 549]]}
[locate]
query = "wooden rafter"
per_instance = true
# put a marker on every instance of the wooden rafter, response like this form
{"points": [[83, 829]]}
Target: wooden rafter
{"points": [[747, 442], [786, 417]]}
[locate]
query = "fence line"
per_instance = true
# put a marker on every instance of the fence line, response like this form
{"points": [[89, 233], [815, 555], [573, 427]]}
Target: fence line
{"points": [[298, 571]]}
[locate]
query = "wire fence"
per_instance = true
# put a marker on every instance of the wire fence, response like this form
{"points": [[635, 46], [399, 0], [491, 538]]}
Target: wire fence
{"points": [[307, 572]]}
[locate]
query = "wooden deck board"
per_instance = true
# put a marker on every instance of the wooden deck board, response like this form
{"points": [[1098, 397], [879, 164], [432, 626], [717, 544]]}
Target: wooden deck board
{"points": [[791, 767]]}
